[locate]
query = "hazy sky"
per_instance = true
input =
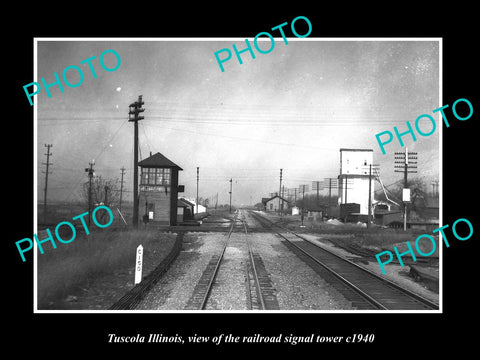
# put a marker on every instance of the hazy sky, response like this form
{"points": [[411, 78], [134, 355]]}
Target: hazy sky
{"points": [[293, 108]]}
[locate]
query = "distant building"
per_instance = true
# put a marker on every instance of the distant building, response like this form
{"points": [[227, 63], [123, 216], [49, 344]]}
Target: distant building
{"points": [[353, 181], [316, 212], [158, 196], [185, 210], [274, 203], [295, 210], [197, 209]]}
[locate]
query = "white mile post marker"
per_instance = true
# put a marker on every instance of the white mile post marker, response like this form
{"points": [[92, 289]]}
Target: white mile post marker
{"points": [[138, 264]]}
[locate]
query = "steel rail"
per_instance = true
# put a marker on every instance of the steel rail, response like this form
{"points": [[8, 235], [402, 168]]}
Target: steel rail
{"points": [[254, 268], [217, 266], [340, 277], [371, 273], [374, 302]]}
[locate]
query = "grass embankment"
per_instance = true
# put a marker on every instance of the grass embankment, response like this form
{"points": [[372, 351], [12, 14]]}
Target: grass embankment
{"points": [[88, 258]]}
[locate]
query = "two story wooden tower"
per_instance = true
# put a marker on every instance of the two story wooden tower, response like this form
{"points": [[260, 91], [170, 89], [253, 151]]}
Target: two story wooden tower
{"points": [[158, 192]]}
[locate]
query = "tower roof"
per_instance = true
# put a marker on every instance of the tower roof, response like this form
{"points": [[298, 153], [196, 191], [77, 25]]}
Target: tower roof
{"points": [[158, 161], [343, 149]]}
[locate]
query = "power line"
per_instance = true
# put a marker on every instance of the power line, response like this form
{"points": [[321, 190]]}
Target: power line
{"points": [[110, 140], [75, 119], [74, 186], [121, 188], [263, 141], [271, 120], [146, 138]]}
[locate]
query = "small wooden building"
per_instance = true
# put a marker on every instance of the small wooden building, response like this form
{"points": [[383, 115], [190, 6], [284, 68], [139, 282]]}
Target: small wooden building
{"points": [[158, 196], [186, 210], [275, 204], [316, 212]]}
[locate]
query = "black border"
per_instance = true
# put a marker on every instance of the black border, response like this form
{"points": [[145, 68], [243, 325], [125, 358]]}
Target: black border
{"points": [[87, 333]]}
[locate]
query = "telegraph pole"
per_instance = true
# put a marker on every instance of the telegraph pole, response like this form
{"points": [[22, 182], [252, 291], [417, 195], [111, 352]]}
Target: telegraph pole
{"points": [[406, 165], [133, 115], [121, 188], [329, 194], [346, 187], [230, 192], [47, 164], [329, 191], [369, 196], [197, 188], [280, 207], [303, 201], [330, 184], [91, 173]]}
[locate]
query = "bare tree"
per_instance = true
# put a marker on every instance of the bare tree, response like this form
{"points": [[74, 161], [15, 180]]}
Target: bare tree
{"points": [[104, 191], [418, 194]]}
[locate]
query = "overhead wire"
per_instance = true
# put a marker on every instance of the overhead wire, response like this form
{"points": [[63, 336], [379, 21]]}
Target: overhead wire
{"points": [[234, 114], [263, 141], [80, 179]]}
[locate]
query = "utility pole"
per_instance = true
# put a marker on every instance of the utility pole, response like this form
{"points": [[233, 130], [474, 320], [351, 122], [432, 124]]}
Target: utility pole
{"points": [[197, 188], [405, 184], [134, 110], [303, 201], [405, 164], [369, 196], [329, 194], [369, 211], [230, 192], [346, 187], [91, 173], [121, 188], [280, 207], [435, 188], [330, 184], [105, 202], [47, 164]]}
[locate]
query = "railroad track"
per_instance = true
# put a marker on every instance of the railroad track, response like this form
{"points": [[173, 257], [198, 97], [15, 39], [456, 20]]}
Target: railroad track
{"points": [[365, 289], [260, 293]]}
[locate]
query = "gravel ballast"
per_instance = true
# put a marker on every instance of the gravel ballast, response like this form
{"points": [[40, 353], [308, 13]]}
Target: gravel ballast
{"points": [[297, 286]]}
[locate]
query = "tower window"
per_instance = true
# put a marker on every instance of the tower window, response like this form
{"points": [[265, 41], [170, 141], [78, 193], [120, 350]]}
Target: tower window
{"points": [[155, 176]]}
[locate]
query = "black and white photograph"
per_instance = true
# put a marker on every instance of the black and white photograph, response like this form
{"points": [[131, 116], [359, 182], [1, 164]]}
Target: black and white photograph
{"points": [[260, 187], [213, 180]]}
